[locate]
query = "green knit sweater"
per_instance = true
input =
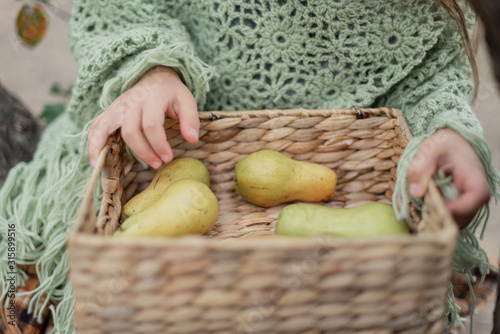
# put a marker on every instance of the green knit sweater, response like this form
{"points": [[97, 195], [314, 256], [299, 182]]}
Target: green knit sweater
{"points": [[238, 55]]}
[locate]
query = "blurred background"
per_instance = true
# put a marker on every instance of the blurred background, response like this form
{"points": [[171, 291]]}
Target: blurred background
{"points": [[29, 73], [41, 76]]}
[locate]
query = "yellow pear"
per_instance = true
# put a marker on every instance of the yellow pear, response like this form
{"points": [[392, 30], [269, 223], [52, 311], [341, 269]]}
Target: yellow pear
{"points": [[177, 169], [372, 219], [186, 207], [269, 178]]}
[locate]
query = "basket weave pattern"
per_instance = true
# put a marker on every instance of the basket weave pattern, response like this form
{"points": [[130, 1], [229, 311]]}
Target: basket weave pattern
{"points": [[239, 278]]}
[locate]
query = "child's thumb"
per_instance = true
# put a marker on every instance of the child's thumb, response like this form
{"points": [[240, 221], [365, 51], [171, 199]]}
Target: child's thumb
{"points": [[422, 168]]}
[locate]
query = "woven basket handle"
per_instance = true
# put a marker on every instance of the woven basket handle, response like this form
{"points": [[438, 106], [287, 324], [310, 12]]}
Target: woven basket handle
{"points": [[85, 220]]}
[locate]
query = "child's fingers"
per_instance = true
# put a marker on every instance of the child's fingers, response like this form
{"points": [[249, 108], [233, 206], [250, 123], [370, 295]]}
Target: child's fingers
{"points": [[99, 132], [474, 193], [184, 108], [153, 119], [464, 207], [421, 170], [136, 141], [464, 204]]}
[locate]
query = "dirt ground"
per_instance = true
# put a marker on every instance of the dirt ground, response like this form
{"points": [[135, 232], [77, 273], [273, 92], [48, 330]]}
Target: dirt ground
{"points": [[29, 74]]}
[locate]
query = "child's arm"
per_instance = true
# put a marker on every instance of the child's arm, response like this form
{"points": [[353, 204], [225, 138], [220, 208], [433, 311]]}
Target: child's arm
{"points": [[140, 113], [115, 43], [435, 99]]}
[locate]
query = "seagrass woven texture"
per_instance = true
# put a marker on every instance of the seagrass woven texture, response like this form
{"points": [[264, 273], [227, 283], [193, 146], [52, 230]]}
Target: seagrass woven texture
{"points": [[239, 278]]}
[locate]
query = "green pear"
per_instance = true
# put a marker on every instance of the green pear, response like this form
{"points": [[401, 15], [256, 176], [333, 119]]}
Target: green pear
{"points": [[186, 207], [177, 169], [269, 178], [372, 219]]}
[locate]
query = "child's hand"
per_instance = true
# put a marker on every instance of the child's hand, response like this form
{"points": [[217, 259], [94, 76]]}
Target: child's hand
{"points": [[140, 112], [449, 151]]}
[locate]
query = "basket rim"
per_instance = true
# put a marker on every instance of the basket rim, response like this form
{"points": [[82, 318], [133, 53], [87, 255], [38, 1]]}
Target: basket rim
{"points": [[303, 112]]}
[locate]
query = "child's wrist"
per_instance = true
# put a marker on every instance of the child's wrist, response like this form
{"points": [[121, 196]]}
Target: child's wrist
{"points": [[160, 69]]}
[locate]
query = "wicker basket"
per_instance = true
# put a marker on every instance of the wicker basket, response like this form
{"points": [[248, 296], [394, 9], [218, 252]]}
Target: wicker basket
{"points": [[239, 278]]}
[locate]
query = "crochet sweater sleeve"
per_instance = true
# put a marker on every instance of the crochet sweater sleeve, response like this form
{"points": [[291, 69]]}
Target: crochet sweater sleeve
{"points": [[114, 42], [437, 93]]}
